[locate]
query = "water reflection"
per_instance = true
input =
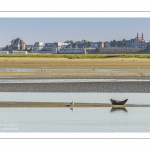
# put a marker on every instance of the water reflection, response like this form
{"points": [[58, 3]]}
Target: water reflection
{"points": [[116, 109], [92, 119]]}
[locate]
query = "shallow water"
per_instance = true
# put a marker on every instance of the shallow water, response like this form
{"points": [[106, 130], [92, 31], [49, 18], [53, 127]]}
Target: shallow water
{"points": [[70, 70], [76, 120], [69, 80]]}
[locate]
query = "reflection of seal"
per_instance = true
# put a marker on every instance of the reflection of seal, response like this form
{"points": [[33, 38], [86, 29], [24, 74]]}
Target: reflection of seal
{"points": [[113, 109]]}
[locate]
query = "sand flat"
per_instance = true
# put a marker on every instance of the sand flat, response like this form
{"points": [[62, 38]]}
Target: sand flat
{"points": [[103, 63], [64, 63]]}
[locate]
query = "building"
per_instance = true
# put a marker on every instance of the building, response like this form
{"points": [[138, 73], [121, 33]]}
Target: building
{"points": [[16, 44], [20, 52], [38, 46], [29, 47], [97, 45], [107, 44], [137, 42], [4, 52], [72, 48], [61, 45], [102, 45], [51, 47], [7, 46], [54, 47], [147, 43]]}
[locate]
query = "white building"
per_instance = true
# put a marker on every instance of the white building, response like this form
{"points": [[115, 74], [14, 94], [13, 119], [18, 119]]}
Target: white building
{"points": [[72, 48], [61, 45], [20, 52], [51, 47], [54, 47], [38, 46], [4, 52]]}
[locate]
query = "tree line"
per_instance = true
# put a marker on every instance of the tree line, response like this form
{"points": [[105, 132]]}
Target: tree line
{"points": [[113, 43]]}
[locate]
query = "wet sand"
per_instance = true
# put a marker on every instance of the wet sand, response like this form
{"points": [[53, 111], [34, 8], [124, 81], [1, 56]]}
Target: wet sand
{"points": [[63, 63], [75, 75], [63, 104], [102, 87]]}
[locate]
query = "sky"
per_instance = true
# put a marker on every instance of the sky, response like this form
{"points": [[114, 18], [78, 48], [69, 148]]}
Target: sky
{"points": [[48, 30]]}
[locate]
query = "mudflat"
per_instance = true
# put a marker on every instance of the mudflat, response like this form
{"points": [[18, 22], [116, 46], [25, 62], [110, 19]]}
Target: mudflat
{"points": [[63, 63], [78, 87]]}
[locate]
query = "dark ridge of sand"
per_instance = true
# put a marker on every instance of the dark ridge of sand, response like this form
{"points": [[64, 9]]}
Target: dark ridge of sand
{"points": [[63, 104], [102, 87]]}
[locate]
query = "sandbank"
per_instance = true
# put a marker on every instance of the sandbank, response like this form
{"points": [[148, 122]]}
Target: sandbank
{"points": [[64, 104]]}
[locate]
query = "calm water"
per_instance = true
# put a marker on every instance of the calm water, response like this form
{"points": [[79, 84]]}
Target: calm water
{"points": [[77, 120], [92, 119], [68, 80], [70, 70]]}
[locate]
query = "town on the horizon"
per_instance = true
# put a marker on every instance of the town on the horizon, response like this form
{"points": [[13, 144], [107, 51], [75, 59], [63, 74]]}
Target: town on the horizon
{"points": [[135, 45]]}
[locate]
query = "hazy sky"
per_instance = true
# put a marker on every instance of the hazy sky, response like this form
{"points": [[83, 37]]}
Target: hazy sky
{"points": [[32, 30]]}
